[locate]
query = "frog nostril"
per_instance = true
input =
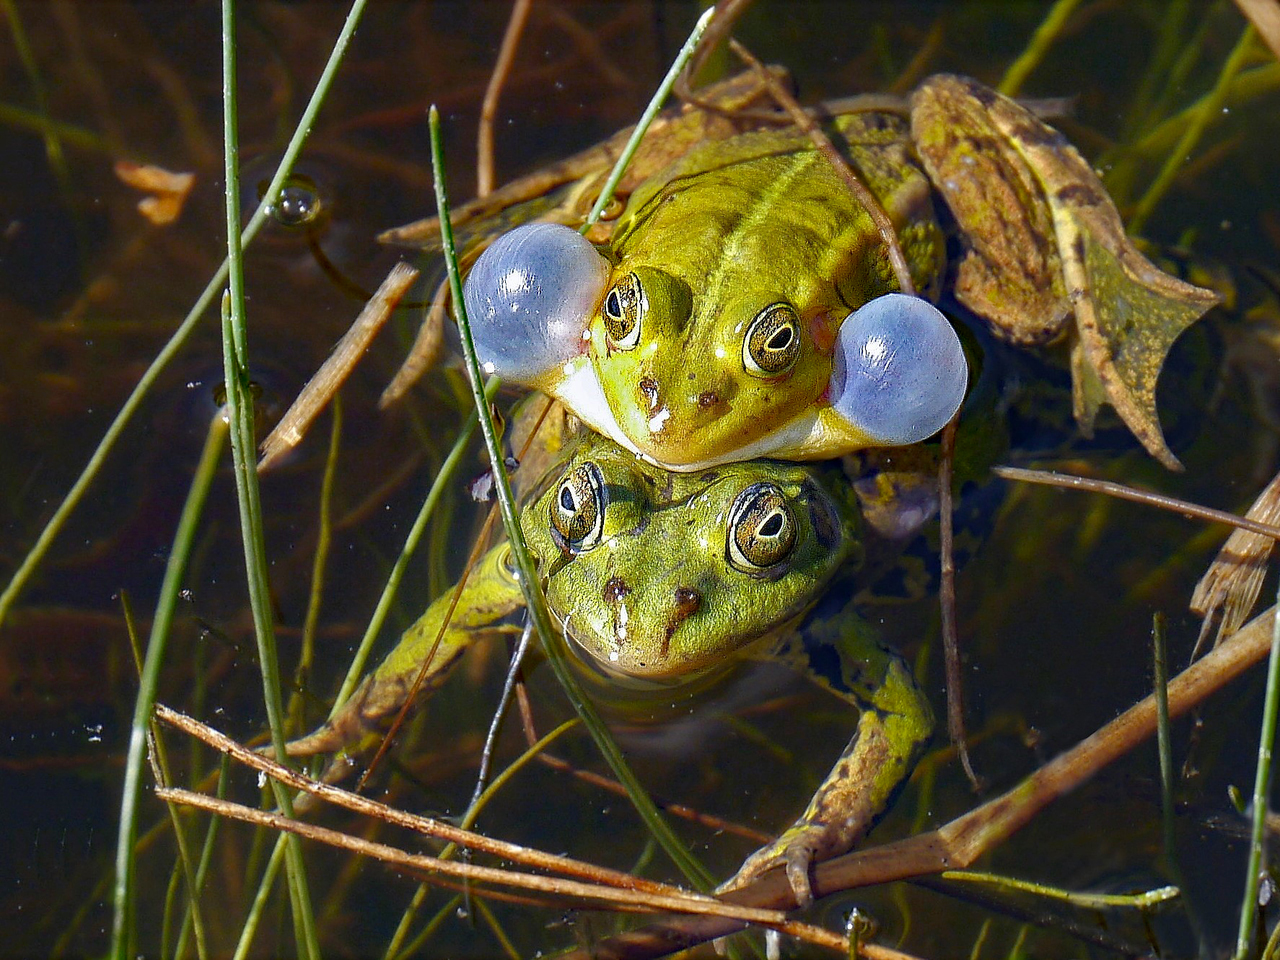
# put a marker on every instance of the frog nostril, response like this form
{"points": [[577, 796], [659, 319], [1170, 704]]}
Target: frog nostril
{"points": [[649, 390], [615, 589], [688, 602], [708, 399]]}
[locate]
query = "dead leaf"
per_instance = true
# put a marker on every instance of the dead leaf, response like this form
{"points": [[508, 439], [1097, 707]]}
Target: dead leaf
{"points": [[168, 190]]}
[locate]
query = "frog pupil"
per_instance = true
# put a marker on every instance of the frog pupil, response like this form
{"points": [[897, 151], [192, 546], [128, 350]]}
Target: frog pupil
{"points": [[771, 527], [612, 305], [780, 340], [566, 500]]}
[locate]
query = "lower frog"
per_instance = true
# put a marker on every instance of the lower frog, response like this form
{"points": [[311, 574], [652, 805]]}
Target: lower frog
{"points": [[743, 304], [670, 578]]}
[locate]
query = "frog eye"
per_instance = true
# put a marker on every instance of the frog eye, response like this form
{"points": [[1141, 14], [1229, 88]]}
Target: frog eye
{"points": [[577, 509], [899, 372], [772, 342], [530, 297], [762, 529], [624, 309]]}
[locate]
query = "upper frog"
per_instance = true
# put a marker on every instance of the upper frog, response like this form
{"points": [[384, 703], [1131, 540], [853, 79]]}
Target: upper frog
{"points": [[744, 305], [664, 577]]}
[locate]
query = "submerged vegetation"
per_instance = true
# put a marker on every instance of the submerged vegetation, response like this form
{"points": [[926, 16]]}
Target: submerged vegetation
{"points": [[139, 573]]}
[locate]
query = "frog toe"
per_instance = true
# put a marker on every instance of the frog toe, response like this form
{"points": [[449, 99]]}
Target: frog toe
{"points": [[795, 852]]}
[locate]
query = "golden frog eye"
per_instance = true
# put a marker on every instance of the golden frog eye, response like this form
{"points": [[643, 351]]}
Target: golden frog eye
{"points": [[762, 529], [624, 309], [577, 509], [772, 342]]}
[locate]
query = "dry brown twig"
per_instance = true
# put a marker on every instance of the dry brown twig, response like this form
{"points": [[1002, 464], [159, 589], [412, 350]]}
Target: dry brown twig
{"points": [[598, 884], [321, 387], [489, 108]]}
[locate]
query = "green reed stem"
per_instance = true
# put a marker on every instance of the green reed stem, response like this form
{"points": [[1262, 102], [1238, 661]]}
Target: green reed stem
{"points": [[1261, 792], [530, 585], [1035, 51], [206, 856], [1209, 109], [250, 927], [123, 892], [56, 522], [185, 869], [48, 132], [414, 947], [1084, 901], [491, 921], [1168, 38], [235, 361], [646, 118], [324, 539]]}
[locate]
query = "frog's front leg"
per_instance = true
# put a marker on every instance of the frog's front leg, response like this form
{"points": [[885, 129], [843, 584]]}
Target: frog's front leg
{"points": [[844, 656], [490, 594]]}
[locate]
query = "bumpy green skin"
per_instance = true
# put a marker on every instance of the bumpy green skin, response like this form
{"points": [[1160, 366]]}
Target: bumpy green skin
{"points": [[760, 219], [688, 613]]}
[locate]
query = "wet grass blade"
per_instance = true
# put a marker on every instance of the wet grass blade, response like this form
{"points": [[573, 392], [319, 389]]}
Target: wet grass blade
{"points": [[383, 608], [244, 460], [1035, 51], [530, 585], [1261, 791], [123, 892], [655, 104], [175, 343], [1209, 110]]}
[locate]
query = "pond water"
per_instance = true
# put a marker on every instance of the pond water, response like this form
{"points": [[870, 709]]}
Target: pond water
{"points": [[1055, 609]]}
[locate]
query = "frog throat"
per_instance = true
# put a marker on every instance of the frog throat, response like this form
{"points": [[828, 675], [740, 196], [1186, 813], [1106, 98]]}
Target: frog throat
{"points": [[581, 392]]}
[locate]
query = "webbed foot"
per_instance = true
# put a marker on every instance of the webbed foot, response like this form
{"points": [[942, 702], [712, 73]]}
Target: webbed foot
{"points": [[796, 851]]}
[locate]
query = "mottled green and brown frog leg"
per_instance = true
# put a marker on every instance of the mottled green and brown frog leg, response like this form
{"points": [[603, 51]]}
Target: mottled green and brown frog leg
{"points": [[489, 595], [843, 655]]}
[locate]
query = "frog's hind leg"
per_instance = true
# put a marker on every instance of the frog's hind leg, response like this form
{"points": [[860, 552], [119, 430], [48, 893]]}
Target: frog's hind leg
{"points": [[896, 722]]}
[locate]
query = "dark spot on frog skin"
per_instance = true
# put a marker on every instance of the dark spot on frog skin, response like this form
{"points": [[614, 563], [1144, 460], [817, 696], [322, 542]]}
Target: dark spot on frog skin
{"points": [[688, 602], [1079, 193], [710, 476], [708, 399], [984, 95], [1039, 135], [615, 589]]}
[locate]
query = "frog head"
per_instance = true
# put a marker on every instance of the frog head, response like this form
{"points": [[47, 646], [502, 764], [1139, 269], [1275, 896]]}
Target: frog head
{"points": [[695, 376], [664, 576]]}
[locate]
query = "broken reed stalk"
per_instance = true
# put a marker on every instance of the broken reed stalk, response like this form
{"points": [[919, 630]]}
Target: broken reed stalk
{"points": [[489, 108]]}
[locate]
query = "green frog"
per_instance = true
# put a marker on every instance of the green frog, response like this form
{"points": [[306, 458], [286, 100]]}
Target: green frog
{"points": [[742, 303], [667, 578]]}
